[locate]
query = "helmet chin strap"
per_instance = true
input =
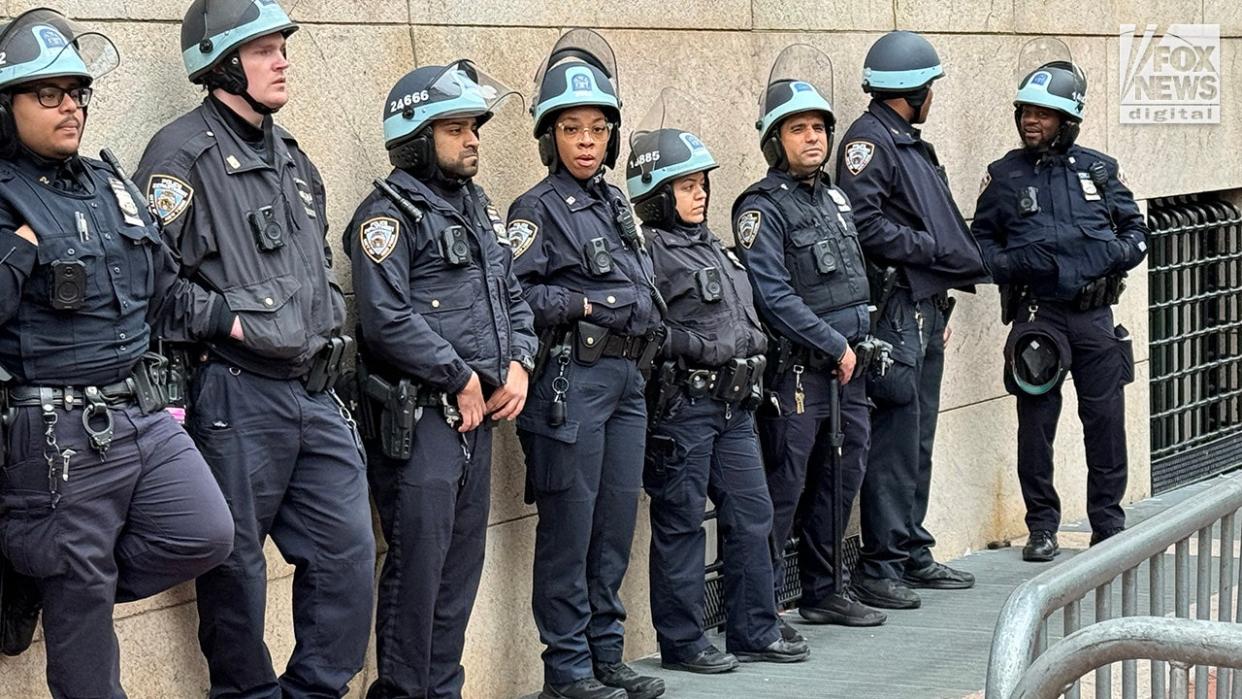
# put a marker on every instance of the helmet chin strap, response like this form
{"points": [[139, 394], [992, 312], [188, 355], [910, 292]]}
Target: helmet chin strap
{"points": [[230, 76]]}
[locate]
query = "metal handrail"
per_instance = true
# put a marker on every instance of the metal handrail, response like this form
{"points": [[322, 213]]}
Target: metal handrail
{"points": [[1185, 641], [1016, 641]]}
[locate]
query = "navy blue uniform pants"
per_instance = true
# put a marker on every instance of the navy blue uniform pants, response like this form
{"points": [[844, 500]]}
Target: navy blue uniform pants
{"points": [[584, 476], [138, 520], [903, 427], [1102, 364], [290, 467], [434, 508], [797, 451], [701, 449]]}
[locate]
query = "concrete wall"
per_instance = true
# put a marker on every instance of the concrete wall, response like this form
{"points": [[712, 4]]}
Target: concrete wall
{"points": [[349, 53]]}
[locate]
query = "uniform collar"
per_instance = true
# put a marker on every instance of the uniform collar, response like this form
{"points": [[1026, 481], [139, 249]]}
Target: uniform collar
{"points": [[236, 155], [904, 133], [68, 175], [680, 235], [419, 190], [574, 192], [780, 179]]}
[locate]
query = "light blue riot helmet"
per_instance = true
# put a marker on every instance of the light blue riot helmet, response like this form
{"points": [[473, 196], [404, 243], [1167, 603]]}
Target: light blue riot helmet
{"points": [[580, 71], [213, 31], [1056, 83], [427, 94], [659, 155], [901, 64], [800, 81], [41, 44]]}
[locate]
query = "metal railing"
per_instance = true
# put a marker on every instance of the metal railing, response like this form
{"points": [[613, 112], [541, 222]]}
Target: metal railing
{"points": [[1027, 662]]}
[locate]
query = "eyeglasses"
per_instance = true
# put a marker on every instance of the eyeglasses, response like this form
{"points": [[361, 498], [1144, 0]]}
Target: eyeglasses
{"points": [[51, 96], [595, 133]]}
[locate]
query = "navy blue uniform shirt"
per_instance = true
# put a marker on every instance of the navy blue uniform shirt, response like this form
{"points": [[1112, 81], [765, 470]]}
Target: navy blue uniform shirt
{"points": [[904, 210], [550, 227], [1062, 238]]}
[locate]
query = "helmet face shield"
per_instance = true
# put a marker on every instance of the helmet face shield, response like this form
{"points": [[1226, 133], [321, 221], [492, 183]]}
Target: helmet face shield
{"points": [[460, 89], [43, 43], [580, 71], [1048, 77], [800, 81], [660, 151]]}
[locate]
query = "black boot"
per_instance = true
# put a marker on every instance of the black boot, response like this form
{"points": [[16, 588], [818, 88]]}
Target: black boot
{"points": [[590, 688], [709, 661], [622, 676], [778, 651], [1041, 547], [843, 610]]}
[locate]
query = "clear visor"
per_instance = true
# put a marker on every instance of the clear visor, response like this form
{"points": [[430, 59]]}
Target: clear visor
{"points": [[1040, 51], [39, 39], [581, 45], [463, 79], [799, 63]]}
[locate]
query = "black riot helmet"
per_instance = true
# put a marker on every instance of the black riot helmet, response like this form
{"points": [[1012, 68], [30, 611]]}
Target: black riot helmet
{"points": [[1037, 358], [1054, 82], [427, 94], [213, 31], [580, 71], [901, 65], [660, 154]]}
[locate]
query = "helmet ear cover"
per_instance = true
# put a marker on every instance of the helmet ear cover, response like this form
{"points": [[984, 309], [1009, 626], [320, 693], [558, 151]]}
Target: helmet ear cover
{"points": [[229, 75], [1067, 132], [548, 153], [416, 155], [659, 208], [8, 126], [774, 150]]}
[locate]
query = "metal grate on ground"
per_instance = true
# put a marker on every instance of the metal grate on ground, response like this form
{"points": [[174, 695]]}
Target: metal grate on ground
{"points": [[1195, 272]]}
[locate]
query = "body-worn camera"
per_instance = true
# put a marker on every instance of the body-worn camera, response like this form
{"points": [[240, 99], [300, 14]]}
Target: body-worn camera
{"points": [[1028, 201], [708, 282], [454, 246], [268, 234], [825, 258], [597, 257], [68, 284]]}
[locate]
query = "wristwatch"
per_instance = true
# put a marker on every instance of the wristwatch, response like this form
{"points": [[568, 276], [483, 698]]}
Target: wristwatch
{"points": [[527, 362]]}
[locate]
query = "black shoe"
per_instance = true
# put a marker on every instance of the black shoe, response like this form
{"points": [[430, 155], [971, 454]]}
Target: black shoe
{"points": [[590, 688], [1098, 537], [778, 651], [20, 602], [709, 661], [938, 576], [843, 610], [1041, 547], [789, 633], [622, 676], [885, 593]]}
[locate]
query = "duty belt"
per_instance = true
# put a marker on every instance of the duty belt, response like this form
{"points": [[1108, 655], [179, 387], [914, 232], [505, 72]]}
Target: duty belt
{"points": [[70, 397], [594, 341], [731, 383], [786, 354]]}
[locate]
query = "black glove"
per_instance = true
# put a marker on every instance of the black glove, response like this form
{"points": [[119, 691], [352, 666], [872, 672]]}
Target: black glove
{"points": [[1031, 261], [1122, 253]]}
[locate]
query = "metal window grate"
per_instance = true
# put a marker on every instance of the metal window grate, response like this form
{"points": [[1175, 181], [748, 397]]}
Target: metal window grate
{"points": [[1195, 279]]}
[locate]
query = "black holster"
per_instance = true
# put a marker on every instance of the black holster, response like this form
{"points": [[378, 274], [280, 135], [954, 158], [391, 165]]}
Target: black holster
{"points": [[389, 412], [329, 364], [150, 382], [1012, 298], [6, 415]]}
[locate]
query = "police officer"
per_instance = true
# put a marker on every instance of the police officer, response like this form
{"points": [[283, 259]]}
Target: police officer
{"points": [[103, 498], [244, 208], [702, 440], [1059, 228], [795, 232], [447, 341], [587, 275], [907, 220]]}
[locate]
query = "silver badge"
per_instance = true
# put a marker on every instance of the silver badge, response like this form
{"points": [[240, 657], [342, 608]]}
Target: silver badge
{"points": [[125, 201], [1089, 192], [842, 203]]}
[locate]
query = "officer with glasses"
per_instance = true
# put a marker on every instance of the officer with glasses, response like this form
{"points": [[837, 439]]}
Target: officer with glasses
{"points": [[588, 277], [103, 497]]}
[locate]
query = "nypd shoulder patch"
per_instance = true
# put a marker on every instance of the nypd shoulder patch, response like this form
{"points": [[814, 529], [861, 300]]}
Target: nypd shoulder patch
{"points": [[748, 227], [170, 196], [378, 237], [521, 235], [857, 155]]}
